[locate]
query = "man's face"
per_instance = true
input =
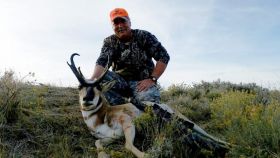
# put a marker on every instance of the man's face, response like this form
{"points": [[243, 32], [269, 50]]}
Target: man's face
{"points": [[122, 28]]}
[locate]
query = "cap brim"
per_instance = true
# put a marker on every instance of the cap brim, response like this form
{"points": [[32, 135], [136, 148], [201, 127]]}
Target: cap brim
{"points": [[122, 17]]}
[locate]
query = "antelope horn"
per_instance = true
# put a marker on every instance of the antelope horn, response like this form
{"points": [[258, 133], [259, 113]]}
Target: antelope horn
{"points": [[79, 75], [100, 78]]}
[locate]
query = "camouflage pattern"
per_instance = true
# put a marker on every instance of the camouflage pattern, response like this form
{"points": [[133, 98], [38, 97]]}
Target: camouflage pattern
{"points": [[152, 94], [116, 94], [123, 89], [133, 60]]}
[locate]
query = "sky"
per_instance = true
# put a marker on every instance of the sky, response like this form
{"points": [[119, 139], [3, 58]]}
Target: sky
{"points": [[235, 41]]}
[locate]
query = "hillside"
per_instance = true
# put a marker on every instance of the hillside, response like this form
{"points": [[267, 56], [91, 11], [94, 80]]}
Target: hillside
{"points": [[45, 121]]}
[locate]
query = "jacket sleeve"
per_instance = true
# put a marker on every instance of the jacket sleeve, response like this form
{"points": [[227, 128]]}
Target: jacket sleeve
{"points": [[106, 51], [155, 49]]}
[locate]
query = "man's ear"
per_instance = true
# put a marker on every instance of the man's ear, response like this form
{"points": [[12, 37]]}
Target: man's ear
{"points": [[129, 22], [107, 86]]}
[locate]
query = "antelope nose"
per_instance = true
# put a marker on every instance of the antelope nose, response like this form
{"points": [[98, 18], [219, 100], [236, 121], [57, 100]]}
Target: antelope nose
{"points": [[89, 95]]}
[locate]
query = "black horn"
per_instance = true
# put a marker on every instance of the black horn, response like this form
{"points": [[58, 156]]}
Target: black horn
{"points": [[80, 76]]}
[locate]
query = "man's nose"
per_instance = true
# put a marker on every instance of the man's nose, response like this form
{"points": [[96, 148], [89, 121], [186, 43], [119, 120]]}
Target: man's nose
{"points": [[118, 26]]}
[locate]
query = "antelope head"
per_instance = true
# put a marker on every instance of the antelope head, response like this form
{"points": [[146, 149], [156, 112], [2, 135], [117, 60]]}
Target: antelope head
{"points": [[89, 91]]}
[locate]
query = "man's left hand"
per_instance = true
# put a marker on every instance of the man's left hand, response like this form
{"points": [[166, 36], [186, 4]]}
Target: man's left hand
{"points": [[145, 85]]}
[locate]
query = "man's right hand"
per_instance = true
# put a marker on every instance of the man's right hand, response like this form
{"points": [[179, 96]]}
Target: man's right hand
{"points": [[145, 84]]}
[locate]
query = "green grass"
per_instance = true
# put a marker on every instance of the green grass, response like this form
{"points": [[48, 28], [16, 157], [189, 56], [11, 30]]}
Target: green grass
{"points": [[45, 121], [253, 128]]}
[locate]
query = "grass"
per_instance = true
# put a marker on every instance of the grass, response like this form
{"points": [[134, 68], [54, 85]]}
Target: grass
{"points": [[45, 121], [254, 128]]}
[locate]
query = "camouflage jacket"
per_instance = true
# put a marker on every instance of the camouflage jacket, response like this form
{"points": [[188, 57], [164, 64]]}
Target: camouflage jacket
{"points": [[133, 60]]}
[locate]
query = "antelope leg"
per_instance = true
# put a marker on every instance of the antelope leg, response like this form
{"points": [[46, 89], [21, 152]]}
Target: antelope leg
{"points": [[129, 133]]}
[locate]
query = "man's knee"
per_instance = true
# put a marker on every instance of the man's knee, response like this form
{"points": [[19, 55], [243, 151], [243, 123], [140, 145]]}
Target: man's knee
{"points": [[152, 94], [120, 84], [115, 95]]}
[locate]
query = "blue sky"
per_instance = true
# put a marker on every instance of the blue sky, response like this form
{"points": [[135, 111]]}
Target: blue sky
{"points": [[230, 40]]}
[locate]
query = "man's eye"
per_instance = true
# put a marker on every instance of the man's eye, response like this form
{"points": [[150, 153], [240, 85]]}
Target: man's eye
{"points": [[119, 21]]}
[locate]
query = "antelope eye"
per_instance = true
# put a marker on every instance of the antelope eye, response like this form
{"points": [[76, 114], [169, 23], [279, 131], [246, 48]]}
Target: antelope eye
{"points": [[99, 87], [80, 87]]}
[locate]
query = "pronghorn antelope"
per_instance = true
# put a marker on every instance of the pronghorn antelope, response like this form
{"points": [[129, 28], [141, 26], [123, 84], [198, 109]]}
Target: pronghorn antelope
{"points": [[105, 122], [108, 123]]}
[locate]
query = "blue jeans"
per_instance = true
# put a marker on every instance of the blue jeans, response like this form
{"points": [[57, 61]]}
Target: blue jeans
{"points": [[122, 88]]}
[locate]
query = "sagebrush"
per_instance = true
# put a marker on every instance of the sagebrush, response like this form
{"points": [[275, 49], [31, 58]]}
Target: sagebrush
{"points": [[45, 121]]}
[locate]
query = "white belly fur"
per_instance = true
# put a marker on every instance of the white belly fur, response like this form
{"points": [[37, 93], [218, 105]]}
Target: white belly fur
{"points": [[103, 130]]}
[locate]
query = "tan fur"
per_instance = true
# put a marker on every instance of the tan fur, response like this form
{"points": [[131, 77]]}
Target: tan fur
{"points": [[113, 122]]}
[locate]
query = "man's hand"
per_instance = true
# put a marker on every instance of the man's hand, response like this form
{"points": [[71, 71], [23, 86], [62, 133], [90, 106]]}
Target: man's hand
{"points": [[157, 72], [145, 84]]}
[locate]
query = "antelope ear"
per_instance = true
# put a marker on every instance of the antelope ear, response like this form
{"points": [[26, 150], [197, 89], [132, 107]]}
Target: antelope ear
{"points": [[107, 86]]}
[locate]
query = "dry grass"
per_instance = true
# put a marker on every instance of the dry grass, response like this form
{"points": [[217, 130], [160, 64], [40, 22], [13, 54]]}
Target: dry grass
{"points": [[45, 121]]}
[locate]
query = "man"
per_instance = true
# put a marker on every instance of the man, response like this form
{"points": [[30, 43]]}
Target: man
{"points": [[130, 54]]}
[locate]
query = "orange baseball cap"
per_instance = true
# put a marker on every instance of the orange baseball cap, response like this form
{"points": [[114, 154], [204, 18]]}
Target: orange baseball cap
{"points": [[118, 13]]}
